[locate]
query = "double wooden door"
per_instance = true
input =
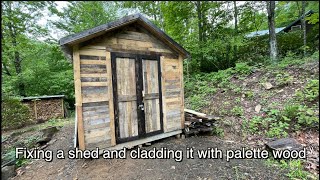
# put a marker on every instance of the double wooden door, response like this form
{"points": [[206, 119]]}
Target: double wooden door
{"points": [[137, 96]]}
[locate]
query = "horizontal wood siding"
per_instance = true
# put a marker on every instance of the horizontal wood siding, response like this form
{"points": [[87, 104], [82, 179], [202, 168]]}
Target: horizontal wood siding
{"points": [[131, 40], [95, 98]]}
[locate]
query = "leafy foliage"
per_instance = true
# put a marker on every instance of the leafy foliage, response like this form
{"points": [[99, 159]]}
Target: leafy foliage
{"points": [[14, 113]]}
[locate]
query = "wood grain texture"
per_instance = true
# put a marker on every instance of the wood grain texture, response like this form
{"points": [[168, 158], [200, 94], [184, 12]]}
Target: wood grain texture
{"points": [[78, 98], [127, 99], [164, 105], [111, 105], [182, 91], [151, 95]]}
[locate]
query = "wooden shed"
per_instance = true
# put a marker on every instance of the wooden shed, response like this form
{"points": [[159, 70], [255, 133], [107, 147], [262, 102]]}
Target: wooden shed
{"points": [[128, 78]]}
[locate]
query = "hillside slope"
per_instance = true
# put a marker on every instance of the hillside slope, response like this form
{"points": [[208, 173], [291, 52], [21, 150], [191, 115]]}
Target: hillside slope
{"points": [[263, 102]]}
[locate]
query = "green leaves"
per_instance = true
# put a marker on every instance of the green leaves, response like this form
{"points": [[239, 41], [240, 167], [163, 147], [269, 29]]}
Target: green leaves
{"points": [[81, 15]]}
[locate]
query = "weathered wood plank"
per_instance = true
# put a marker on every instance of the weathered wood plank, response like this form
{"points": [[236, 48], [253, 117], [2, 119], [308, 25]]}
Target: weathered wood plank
{"points": [[92, 71], [98, 139], [83, 84], [101, 75], [94, 106], [90, 57], [94, 62], [77, 83], [176, 87], [151, 96], [94, 79], [172, 94], [97, 126], [112, 133], [100, 145], [94, 89], [125, 98], [92, 52], [163, 88], [98, 98], [102, 117], [96, 122], [182, 91], [96, 133]]}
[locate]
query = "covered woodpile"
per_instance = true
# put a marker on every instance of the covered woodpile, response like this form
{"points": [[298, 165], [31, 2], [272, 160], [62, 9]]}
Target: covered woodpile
{"points": [[45, 107], [196, 122]]}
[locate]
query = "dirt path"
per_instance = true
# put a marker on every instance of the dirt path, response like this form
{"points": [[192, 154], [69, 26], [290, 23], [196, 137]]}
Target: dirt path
{"points": [[149, 168]]}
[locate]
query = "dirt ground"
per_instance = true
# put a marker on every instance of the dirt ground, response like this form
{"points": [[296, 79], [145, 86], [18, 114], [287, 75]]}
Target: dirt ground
{"points": [[150, 168]]}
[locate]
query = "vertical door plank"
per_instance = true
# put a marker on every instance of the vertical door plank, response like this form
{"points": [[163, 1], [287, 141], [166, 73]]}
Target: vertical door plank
{"points": [[111, 108]]}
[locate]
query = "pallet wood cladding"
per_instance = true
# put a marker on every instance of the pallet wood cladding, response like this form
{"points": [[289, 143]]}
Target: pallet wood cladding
{"points": [[128, 78]]}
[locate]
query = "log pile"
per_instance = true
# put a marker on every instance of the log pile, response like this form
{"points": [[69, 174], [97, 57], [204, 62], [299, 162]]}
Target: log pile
{"points": [[44, 109], [196, 122]]}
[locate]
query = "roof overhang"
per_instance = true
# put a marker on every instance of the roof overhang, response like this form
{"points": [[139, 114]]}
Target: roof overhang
{"points": [[67, 42]]}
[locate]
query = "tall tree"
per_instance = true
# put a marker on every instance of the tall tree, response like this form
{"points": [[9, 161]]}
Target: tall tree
{"points": [[19, 21], [235, 25], [303, 23], [272, 33]]}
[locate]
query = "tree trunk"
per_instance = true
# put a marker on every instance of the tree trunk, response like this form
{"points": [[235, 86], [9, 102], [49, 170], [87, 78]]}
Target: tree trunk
{"points": [[235, 28], [303, 23], [17, 58], [272, 32], [198, 5]]}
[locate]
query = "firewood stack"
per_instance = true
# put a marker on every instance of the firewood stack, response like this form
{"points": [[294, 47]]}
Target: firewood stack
{"points": [[196, 122]]}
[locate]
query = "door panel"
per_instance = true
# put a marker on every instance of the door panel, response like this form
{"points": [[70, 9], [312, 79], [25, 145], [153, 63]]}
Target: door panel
{"points": [[137, 96], [127, 97], [151, 95]]}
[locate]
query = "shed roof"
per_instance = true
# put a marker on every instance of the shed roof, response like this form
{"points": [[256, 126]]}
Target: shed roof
{"points": [[263, 32], [70, 40], [296, 21], [42, 97], [285, 29]]}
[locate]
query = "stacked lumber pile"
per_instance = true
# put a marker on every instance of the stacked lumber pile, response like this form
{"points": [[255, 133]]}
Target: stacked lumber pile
{"points": [[196, 122]]}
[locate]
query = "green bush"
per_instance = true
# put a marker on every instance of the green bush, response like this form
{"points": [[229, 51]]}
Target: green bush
{"points": [[243, 69], [310, 92], [283, 79], [14, 113]]}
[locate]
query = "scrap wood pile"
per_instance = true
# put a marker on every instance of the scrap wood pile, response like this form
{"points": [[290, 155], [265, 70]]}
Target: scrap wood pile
{"points": [[196, 122]]}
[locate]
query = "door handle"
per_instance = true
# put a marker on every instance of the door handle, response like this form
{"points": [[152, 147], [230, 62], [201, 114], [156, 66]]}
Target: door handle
{"points": [[141, 107]]}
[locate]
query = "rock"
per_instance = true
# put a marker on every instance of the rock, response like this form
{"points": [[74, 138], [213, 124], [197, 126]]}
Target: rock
{"points": [[40, 121], [8, 172], [267, 85], [257, 108], [47, 134], [281, 90], [49, 131], [284, 143]]}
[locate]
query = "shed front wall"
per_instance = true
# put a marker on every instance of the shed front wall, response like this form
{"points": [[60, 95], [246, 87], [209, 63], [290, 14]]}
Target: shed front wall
{"points": [[94, 88]]}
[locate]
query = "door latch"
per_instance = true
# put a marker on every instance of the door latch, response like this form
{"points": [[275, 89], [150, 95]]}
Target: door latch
{"points": [[141, 107]]}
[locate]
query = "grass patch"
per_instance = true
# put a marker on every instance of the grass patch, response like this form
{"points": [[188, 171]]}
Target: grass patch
{"points": [[294, 167]]}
